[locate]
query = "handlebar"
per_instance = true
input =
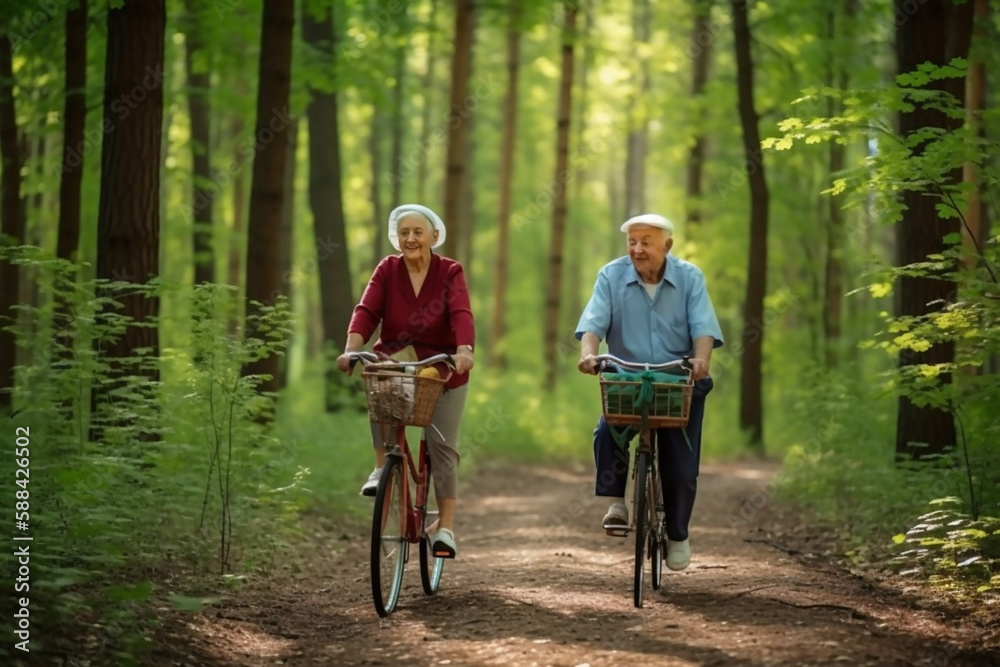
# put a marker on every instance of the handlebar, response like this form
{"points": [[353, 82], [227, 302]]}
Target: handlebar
{"points": [[606, 362], [371, 361]]}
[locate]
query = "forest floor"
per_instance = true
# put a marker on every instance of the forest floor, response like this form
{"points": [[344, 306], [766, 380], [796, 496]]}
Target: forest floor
{"points": [[525, 591]]}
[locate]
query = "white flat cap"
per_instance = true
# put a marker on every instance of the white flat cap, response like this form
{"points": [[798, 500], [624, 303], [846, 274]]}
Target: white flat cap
{"points": [[401, 212], [651, 219]]}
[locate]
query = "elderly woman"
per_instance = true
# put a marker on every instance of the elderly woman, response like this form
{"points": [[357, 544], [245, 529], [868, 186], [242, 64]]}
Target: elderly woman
{"points": [[421, 300]]}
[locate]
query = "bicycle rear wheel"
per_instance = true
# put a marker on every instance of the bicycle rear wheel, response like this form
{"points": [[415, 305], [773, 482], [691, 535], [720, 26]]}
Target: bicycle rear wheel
{"points": [[388, 537], [431, 566], [641, 524]]}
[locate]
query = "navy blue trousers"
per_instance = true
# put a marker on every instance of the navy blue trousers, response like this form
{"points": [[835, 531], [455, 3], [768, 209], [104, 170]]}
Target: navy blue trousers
{"points": [[678, 464]]}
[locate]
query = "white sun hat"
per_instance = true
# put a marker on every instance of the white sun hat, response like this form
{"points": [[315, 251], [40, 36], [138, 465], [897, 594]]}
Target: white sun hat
{"points": [[407, 209], [651, 219]]}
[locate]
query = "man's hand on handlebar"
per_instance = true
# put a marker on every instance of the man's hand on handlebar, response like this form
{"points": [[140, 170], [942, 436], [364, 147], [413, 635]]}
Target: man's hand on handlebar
{"points": [[699, 368], [588, 364]]}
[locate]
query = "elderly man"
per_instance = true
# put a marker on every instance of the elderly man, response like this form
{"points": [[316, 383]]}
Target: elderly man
{"points": [[652, 308]]}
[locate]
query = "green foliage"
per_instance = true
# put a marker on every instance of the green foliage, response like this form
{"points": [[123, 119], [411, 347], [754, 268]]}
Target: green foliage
{"points": [[950, 547], [183, 480]]}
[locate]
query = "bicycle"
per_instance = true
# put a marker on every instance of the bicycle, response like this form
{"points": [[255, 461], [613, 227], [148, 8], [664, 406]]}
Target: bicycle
{"points": [[399, 397], [646, 404]]}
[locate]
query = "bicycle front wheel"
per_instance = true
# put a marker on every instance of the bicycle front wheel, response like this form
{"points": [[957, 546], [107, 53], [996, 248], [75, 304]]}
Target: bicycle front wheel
{"points": [[641, 523], [431, 566], [656, 530], [388, 537]]}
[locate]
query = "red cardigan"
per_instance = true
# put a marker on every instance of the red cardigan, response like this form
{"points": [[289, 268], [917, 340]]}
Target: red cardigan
{"points": [[437, 320]]}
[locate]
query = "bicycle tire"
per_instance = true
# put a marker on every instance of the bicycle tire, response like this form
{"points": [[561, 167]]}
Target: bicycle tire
{"points": [[431, 567], [655, 538], [641, 529], [656, 531], [388, 552]]}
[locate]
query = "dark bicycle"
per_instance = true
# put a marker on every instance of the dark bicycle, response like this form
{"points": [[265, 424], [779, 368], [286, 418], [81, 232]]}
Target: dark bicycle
{"points": [[645, 399]]}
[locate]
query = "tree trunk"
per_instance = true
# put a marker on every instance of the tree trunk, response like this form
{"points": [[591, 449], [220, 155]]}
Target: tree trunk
{"points": [[554, 284], [975, 91], [286, 240], [457, 127], [468, 204], [11, 228], [637, 141], [425, 110], [235, 264], [937, 32], [74, 118], [701, 45], [833, 287], [128, 227], [497, 356], [577, 243], [267, 191], [751, 407], [199, 83], [326, 201], [380, 218], [617, 210], [399, 119]]}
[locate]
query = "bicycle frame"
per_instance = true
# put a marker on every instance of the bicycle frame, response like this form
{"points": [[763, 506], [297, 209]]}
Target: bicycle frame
{"points": [[415, 470]]}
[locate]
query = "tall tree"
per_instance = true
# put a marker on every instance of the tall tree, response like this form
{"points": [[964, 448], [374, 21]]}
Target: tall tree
{"points": [[267, 190], [427, 91], [457, 127], [837, 75], [399, 119], [128, 226], [554, 283], [637, 143], [468, 199], [936, 33], [576, 246], [74, 119], [234, 268], [11, 228], [379, 215], [199, 81], [751, 407], [325, 197], [499, 329], [286, 238], [975, 91], [701, 52]]}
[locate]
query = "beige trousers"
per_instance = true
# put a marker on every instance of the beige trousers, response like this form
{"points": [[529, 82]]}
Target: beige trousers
{"points": [[442, 440]]}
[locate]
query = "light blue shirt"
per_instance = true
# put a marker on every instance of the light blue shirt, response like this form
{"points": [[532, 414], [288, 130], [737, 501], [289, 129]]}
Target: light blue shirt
{"points": [[650, 330]]}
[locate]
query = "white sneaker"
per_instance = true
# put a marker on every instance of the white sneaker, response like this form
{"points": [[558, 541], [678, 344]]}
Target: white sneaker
{"points": [[371, 485], [678, 554], [443, 544]]}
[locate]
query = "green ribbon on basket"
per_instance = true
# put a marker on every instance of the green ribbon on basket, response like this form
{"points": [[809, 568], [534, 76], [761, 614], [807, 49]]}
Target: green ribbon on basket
{"points": [[643, 399]]}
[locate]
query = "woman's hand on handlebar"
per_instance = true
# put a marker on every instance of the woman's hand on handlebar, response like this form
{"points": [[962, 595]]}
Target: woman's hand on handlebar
{"points": [[344, 363], [464, 361]]}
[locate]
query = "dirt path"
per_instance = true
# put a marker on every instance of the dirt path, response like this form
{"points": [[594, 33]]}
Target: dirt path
{"points": [[536, 584]]}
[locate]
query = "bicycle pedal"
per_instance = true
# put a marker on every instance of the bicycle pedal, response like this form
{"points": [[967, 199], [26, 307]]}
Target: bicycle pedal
{"points": [[615, 530]]}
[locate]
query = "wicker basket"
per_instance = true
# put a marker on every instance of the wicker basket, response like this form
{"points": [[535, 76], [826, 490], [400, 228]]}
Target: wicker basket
{"points": [[401, 399], [670, 407]]}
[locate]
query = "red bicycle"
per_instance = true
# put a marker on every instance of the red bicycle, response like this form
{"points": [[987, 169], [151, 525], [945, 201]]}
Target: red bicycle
{"points": [[401, 395]]}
